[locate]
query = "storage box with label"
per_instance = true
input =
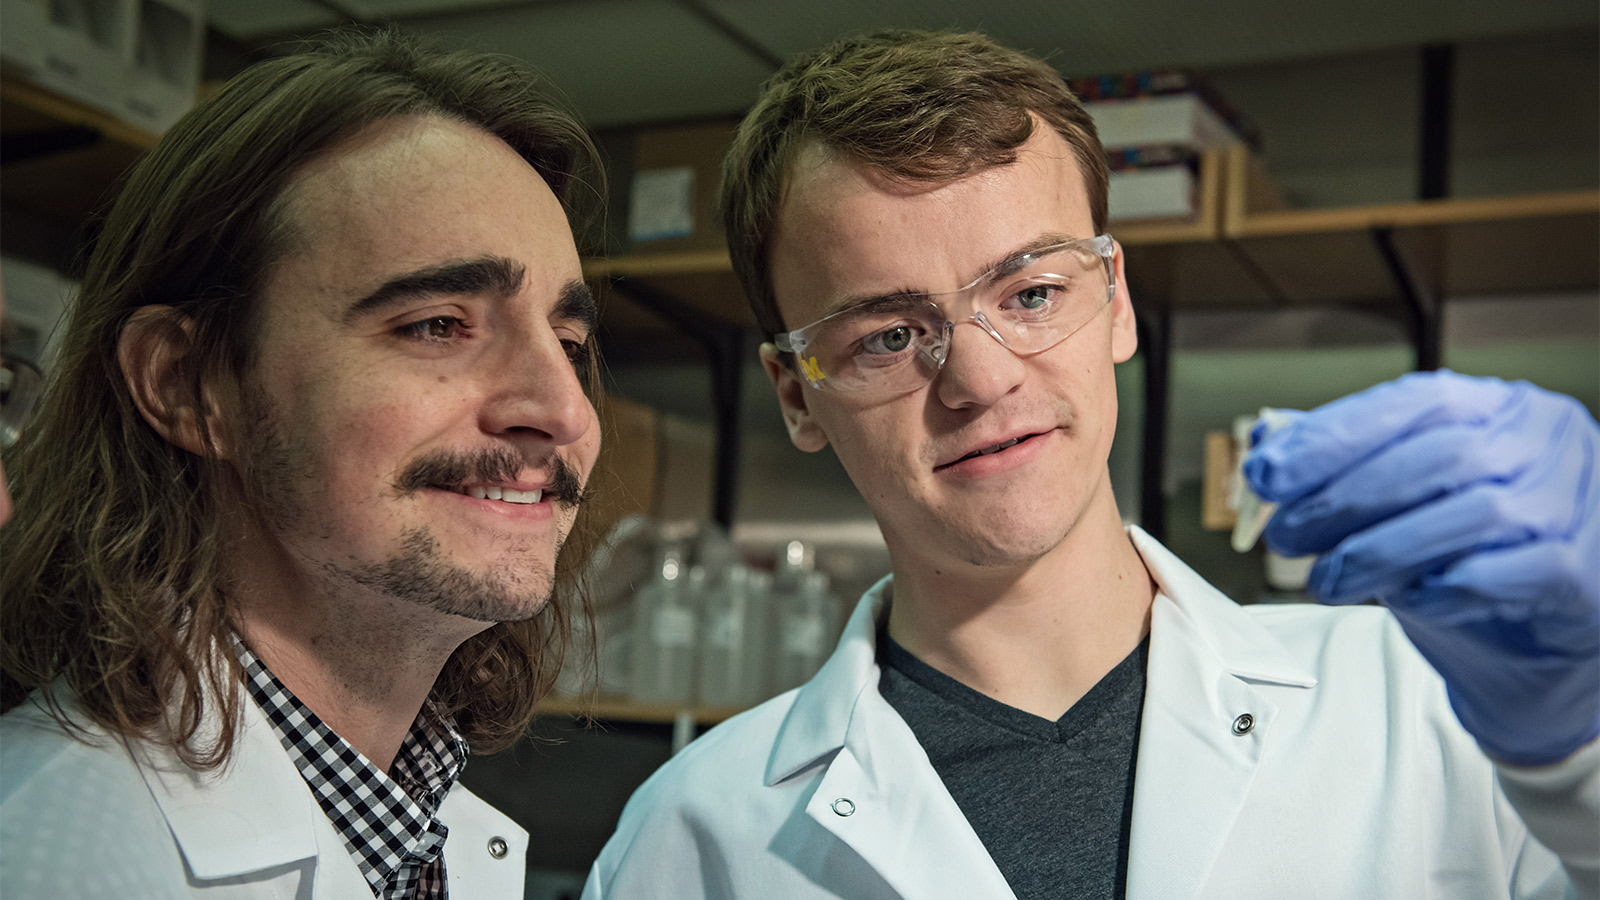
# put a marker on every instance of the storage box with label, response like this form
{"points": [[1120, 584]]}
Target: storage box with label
{"points": [[673, 189], [164, 62], [86, 47]]}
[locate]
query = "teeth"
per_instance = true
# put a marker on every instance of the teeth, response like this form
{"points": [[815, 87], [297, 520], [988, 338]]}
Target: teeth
{"points": [[996, 448], [506, 495]]}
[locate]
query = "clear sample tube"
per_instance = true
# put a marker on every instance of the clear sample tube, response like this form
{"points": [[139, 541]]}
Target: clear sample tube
{"points": [[1252, 512]]}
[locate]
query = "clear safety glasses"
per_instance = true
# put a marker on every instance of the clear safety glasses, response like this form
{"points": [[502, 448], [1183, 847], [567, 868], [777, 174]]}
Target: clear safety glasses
{"points": [[899, 342]]}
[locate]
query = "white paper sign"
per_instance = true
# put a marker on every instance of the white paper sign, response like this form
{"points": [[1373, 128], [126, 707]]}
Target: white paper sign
{"points": [[661, 204]]}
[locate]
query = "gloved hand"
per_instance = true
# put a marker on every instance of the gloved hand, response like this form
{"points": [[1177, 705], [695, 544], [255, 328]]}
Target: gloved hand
{"points": [[1471, 508]]}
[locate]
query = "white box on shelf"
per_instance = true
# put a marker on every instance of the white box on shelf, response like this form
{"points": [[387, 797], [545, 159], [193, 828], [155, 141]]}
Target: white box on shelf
{"points": [[86, 45], [1159, 193], [164, 62], [22, 38], [1182, 120]]}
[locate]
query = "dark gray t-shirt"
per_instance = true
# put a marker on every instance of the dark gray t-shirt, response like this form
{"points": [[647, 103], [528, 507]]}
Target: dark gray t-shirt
{"points": [[1051, 801]]}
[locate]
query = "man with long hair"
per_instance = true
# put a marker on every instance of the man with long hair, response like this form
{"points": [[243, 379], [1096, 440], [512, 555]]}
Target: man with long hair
{"points": [[289, 522], [1039, 702]]}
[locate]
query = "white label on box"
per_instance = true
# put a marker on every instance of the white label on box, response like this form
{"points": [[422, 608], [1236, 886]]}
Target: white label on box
{"points": [[661, 204], [673, 627]]}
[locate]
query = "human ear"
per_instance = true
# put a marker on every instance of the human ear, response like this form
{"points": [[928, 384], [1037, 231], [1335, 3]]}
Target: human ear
{"points": [[156, 353], [1124, 328], [803, 429]]}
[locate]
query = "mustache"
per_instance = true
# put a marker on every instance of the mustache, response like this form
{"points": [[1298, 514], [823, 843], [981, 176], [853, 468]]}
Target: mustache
{"points": [[450, 469]]}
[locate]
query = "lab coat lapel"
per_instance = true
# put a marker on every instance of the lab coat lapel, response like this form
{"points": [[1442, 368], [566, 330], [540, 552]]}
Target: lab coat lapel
{"points": [[251, 817], [882, 797], [879, 794], [1195, 770]]}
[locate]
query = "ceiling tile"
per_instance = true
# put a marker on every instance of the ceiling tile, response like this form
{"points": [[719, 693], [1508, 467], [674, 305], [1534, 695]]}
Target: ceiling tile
{"points": [[619, 61], [249, 19], [379, 9], [638, 61], [1089, 38]]}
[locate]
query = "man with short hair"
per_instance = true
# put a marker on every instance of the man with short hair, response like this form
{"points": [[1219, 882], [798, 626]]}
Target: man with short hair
{"points": [[1039, 702], [288, 521]]}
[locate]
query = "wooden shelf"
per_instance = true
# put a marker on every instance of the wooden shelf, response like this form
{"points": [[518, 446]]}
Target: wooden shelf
{"points": [[68, 186], [704, 278], [1245, 249], [614, 710], [1454, 247]]}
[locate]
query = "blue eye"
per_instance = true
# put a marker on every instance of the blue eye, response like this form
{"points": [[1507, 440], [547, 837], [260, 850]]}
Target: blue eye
{"points": [[890, 340], [1035, 297]]}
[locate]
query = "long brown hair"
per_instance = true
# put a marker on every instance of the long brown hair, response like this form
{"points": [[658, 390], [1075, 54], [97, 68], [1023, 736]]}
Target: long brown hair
{"points": [[112, 585], [917, 105]]}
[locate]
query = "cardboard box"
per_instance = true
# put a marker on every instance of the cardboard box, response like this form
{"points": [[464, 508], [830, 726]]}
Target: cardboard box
{"points": [[22, 34], [673, 187], [167, 46], [86, 46]]}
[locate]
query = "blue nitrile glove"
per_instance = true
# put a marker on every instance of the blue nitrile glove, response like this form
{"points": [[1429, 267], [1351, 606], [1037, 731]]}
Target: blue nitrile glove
{"points": [[1471, 508]]}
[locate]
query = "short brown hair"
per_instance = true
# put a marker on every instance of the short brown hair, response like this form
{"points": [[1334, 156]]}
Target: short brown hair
{"points": [[112, 581], [918, 105]]}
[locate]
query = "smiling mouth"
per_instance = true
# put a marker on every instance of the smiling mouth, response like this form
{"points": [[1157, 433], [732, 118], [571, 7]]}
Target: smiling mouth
{"points": [[987, 451], [504, 495]]}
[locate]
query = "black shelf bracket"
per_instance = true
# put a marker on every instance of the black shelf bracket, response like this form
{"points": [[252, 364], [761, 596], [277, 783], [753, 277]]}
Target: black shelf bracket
{"points": [[1435, 117], [1422, 306], [1154, 324], [727, 345], [28, 145]]}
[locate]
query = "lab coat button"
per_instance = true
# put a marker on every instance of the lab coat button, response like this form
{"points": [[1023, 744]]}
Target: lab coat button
{"points": [[1243, 724], [497, 847], [844, 806]]}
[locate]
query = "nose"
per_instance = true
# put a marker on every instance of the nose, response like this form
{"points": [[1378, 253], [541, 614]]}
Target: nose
{"points": [[535, 391], [978, 370]]}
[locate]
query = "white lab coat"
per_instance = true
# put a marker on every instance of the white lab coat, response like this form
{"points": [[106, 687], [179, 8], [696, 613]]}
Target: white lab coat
{"points": [[127, 820], [1355, 780]]}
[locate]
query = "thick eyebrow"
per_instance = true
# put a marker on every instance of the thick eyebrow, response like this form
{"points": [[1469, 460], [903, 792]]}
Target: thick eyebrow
{"points": [[897, 300], [577, 305], [493, 276]]}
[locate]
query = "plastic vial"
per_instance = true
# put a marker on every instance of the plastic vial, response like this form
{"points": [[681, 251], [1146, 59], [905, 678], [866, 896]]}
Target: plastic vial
{"points": [[1253, 513]]}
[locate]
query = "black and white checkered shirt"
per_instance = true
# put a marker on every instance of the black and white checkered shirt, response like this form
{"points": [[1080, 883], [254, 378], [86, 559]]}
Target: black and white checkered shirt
{"points": [[387, 821]]}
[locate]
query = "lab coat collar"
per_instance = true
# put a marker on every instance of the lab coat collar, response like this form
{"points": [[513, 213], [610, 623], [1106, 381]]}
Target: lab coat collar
{"points": [[824, 706], [254, 813], [816, 723], [1211, 664], [1238, 642], [879, 794]]}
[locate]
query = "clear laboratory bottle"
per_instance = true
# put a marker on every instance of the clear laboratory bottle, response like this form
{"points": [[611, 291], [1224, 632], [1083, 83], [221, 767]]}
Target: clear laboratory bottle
{"points": [[663, 640], [725, 640], [806, 617], [756, 679]]}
